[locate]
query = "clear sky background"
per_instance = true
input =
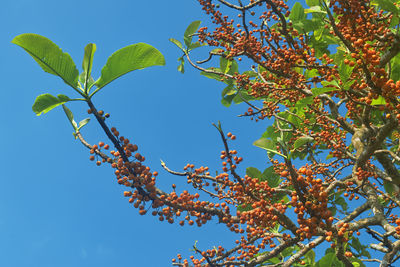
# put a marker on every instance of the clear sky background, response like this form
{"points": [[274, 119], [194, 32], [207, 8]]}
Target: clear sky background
{"points": [[56, 207]]}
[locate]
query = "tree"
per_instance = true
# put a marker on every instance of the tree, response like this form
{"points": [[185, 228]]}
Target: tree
{"points": [[328, 77]]}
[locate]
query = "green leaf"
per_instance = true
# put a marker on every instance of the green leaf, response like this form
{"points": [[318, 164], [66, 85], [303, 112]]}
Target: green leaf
{"points": [[311, 73], [191, 29], [253, 173], [244, 207], [330, 39], [261, 69], [327, 260], [229, 66], [87, 65], [342, 202], [310, 257], [176, 42], [345, 71], [274, 260], [355, 243], [365, 253], [382, 200], [229, 90], [395, 20], [314, 9], [130, 58], [216, 76], [295, 120], [329, 156], [297, 13], [304, 102], [90, 82], [270, 133], [70, 117], [234, 68], [225, 64], [288, 251], [227, 100], [46, 102], [49, 56], [270, 175], [318, 34], [311, 3], [337, 263], [195, 45], [276, 229], [181, 67], [299, 26], [333, 210], [330, 84], [302, 141], [268, 145], [241, 97], [388, 6], [83, 123], [379, 101], [395, 73], [389, 187], [322, 90], [250, 73], [348, 84]]}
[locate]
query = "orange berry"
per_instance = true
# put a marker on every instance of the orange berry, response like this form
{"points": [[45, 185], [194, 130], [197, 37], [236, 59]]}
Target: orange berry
{"points": [[284, 173], [142, 212], [348, 254], [127, 193]]}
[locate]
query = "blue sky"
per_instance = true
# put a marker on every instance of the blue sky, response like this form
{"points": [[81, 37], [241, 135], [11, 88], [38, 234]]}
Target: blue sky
{"points": [[56, 207]]}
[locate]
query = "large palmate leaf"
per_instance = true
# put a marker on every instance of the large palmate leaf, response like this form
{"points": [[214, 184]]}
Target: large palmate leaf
{"points": [[49, 56], [46, 102], [297, 13], [132, 57], [388, 6]]}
